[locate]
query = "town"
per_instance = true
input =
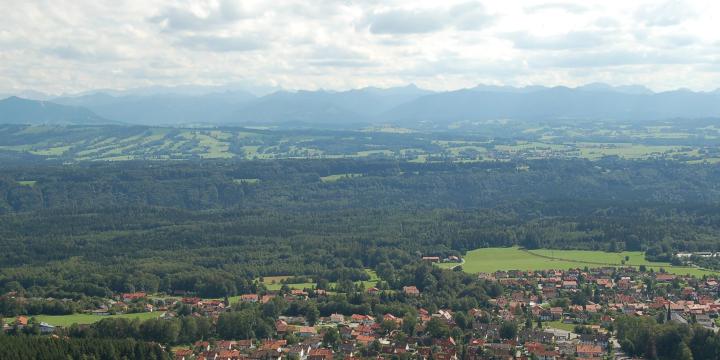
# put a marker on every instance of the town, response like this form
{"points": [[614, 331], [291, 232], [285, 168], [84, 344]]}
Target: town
{"points": [[551, 314]]}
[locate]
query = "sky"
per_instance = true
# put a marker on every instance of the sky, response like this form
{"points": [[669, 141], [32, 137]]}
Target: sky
{"points": [[59, 46]]}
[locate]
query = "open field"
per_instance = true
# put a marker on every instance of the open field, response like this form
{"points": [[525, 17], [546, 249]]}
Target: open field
{"points": [[494, 259], [67, 320]]}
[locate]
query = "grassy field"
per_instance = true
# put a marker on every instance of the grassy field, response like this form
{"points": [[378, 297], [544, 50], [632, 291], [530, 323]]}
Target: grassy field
{"points": [[494, 259], [274, 283], [559, 325], [67, 320]]}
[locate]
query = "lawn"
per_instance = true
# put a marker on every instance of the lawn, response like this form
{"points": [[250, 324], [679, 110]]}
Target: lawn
{"points": [[559, 325], [493, 259], [67, 320]]}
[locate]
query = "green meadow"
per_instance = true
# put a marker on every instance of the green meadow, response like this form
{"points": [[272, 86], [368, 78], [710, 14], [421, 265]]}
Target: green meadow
{"points": [[493, 259], [67, 320]]}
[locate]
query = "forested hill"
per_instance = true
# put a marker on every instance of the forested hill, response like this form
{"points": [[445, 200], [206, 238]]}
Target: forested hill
{"points": [[212, 227], [309, 184]]}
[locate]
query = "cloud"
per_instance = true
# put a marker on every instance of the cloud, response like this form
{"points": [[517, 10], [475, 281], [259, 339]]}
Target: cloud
{"points": [[334, 56], [470, 15], [569, 41], [70, 52], [568, 7], [173, 18], [400, 21], [221, 43], [669, 13], [75, 45], [609, 58]]}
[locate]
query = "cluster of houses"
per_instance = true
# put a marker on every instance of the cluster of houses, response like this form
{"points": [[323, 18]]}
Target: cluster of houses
{"points": [[357, 333], [21, 322], [558, 314], [542, 296]]}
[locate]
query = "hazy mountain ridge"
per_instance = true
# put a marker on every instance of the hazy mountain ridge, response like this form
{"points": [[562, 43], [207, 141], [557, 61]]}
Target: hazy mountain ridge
{"points": [[407, 106], [14, 110]]}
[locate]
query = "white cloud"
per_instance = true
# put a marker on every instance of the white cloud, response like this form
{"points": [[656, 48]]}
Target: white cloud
{"points": [[67, 46]]}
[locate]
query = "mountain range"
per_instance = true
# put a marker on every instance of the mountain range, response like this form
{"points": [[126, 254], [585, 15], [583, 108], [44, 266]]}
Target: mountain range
{"points": [[407, 106]]}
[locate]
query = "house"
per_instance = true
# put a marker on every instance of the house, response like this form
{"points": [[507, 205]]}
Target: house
{"points": [[431, 259], [594, 339], [544, 354], [362, 319], [21, 321], [392, 318], [373, 291], [589, 351], [411, 290], [337, 318], [191, 300], [606, 283], [365, 339], [133, 296], [46, 328], [320, 354], [252, 298], [297, 351], [556, 313], [229, 355], [281, 326], [245, 344], [307, 331], [183, 354]]}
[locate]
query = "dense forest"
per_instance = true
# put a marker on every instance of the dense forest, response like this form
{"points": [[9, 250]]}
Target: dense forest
{"points": [[35, 347], [212, 227]]}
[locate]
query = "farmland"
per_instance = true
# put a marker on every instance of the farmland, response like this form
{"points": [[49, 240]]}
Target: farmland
{"points": [[120, 143], [489, 260]]}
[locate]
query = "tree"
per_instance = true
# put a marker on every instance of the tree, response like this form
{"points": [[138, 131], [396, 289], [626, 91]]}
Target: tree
{"points": [[508, 330], [409, 323], [437, 328], [312, 314], [331, 338]]}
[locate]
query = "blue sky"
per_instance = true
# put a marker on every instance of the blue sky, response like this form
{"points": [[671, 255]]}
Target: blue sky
{"points": [[58, 46]]}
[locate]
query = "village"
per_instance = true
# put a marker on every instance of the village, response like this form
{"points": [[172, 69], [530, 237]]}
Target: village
{"points": [[552, 314]]}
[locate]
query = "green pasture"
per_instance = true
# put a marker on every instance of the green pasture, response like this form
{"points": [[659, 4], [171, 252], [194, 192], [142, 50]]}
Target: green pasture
{"points": [[489, 260]]}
